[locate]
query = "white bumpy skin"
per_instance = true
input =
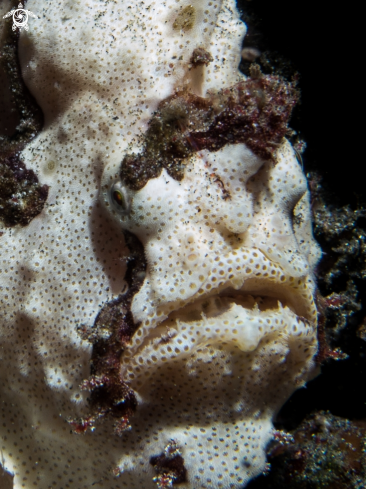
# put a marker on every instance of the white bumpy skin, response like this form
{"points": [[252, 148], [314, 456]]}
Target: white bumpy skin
{"points": [[228, 322]]}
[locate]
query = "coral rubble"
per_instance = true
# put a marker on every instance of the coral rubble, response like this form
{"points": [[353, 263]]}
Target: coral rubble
{"points": [[325, 452], [21, 196]]}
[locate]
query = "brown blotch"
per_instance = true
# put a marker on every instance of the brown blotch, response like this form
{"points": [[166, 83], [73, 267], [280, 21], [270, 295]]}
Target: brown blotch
{"points": [[21, 196], [200, 57], [167, 141], [255, 112], [113, 328], [186, 19], [169, 466]]}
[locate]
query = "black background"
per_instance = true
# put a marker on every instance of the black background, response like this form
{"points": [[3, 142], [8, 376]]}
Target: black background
{"points": [[320, 39]]}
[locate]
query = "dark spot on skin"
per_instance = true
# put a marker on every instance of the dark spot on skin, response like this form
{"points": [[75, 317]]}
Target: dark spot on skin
{"points": [[225, 193], [167, 338], [169, 466], [200, 57]]}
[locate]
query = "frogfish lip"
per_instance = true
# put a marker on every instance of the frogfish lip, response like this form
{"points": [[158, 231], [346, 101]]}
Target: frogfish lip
{"points": [[253, 293], [240, 316]]}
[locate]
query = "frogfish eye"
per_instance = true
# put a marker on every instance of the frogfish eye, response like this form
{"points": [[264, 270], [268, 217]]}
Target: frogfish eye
{"points": [[120, 198]]}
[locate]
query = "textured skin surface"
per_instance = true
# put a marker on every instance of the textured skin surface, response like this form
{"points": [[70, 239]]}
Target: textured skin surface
{"points": [[228, 321], [98, 82]]}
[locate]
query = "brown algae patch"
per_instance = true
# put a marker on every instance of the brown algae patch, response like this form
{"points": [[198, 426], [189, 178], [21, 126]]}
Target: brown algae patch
{"points": [[255, 112]]}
